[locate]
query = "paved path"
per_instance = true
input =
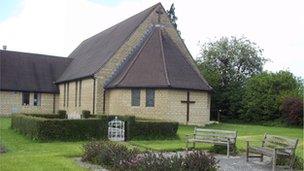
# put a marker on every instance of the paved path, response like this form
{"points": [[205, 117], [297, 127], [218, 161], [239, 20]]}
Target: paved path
{"points": [[233, 163]]}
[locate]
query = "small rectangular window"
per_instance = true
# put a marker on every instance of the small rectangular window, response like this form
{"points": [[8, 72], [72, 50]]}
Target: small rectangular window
{"points": [[76, 90], [135, 97], [150, 94], [37, 99], [64, 94], [68, 94], [80, 86], [25, 99]]}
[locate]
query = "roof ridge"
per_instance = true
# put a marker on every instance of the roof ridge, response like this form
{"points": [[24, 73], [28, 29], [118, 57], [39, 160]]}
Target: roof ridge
{"points": [[188, 62], [31, 53], [151, 9], [163, 57], [136, 56]]}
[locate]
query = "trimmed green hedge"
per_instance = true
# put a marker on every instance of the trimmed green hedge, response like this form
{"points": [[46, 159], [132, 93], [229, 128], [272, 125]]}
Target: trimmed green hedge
{"points": [[59, 129], [50, 116], [155, 129], [39, 127]]}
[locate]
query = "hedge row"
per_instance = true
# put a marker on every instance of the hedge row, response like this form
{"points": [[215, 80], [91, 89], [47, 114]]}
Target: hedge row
{"points": [[37, 127], [59, 129], [50, 116]]}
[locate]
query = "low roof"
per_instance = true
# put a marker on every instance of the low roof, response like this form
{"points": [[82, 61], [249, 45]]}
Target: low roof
{"points": [[94, 52], [158, 64], [21, 71]]}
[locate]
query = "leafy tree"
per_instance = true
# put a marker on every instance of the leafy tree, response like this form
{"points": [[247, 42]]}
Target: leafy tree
{"points": [[226, 64], [172, 17], [292, 111], [264, 93]]}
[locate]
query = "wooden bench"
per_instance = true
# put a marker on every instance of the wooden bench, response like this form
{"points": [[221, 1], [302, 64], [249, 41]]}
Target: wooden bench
{"points": [[212, 136], [272, 146]]}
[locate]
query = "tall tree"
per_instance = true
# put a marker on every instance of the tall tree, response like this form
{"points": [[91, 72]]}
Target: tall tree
{"points": [[172, 17], [226, 64]]}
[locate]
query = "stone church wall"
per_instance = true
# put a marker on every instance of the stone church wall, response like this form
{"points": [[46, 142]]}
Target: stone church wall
{"points": [[11, 102], [75, 105], [167, 107]]}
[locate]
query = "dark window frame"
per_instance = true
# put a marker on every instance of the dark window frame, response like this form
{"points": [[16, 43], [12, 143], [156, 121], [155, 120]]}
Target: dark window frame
{"points": [[150, 97], [64, 94], [135, 97], [79, 96], [37, 99], [68, 94], [76, 90], [25, 98]]}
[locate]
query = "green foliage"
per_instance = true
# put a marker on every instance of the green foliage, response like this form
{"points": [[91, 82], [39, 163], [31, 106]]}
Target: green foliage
{"points": [[264, 94], [226, 64], [54, 116], [118, 157], [292, 111], [155, 130], [82, 129], [86, 114], [58, 129], [62, 114], [172, 17]]}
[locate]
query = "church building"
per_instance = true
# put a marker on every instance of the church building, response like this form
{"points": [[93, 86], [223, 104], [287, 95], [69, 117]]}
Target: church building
{"points": [[138, 67]]}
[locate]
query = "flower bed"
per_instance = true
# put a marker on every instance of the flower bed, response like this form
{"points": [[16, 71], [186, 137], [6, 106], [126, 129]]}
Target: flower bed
{"points": [[118, 157]]}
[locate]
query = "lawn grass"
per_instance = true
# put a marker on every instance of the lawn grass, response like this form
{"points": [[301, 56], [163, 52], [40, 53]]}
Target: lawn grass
{"points": [[26, 154], [245, 132]]}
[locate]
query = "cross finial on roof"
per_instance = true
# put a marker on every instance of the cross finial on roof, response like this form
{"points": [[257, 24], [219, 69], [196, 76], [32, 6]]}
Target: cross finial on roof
{"points": [[159, 12]]}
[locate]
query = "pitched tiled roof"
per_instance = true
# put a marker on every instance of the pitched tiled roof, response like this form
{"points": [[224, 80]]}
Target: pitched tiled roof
{"points": [[94, 52], [30, 72], [158, 64]]}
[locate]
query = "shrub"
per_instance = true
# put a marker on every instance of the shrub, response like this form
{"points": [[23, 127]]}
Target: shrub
{"points": [[62, 114], [199, 160], [54, 116], [107, 153], [59, 129], [155, 129], [86, 114], [2, 149], [292, 111], [118, 157]]}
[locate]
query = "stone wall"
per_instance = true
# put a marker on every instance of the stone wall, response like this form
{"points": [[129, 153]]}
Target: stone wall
{"points": [[167, 107], [11, 101], [74, 105]]}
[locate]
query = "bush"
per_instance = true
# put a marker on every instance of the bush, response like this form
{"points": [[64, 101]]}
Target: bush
{"points": [[107, 153], [53, 116], [86, 114], [118, 157], [62, 114], [59, 129], [155, 129], [292, 111]]}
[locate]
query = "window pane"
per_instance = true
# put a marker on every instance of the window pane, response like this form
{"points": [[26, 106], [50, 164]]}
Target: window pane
{"points": [[150, 94], [37, 99], [135, 97], [25, 98]]}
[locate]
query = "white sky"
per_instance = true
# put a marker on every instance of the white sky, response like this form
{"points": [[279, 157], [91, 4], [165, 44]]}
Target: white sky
{"points": [[56, 27]]}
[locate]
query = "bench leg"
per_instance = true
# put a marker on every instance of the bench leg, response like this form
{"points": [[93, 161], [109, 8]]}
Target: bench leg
{"points": [[247, 152], [228, 149], [274, 160], [261, 158], [186, 145], [292, 160], [193, 145]]}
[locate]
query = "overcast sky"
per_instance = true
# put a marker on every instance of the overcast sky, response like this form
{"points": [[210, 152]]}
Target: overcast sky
{"points": [[57, 27]]}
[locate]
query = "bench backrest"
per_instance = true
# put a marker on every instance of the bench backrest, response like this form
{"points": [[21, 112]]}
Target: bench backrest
{"points": [[273, 141], [215, 134]]}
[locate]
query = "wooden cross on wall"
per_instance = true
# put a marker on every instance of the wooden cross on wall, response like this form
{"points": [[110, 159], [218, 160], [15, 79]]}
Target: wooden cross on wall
{"points": [[188, 102]]}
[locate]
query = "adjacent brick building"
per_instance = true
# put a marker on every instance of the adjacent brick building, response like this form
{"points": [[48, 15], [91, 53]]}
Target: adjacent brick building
{"points": [[139, 67]]}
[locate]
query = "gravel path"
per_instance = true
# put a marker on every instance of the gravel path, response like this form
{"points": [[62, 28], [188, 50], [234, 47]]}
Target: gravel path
{"points": [[233, 163]]}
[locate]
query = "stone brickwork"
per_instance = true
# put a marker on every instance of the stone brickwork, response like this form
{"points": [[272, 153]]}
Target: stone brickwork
{"points": [[167, 107], [74, 105], [11, 101]]}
